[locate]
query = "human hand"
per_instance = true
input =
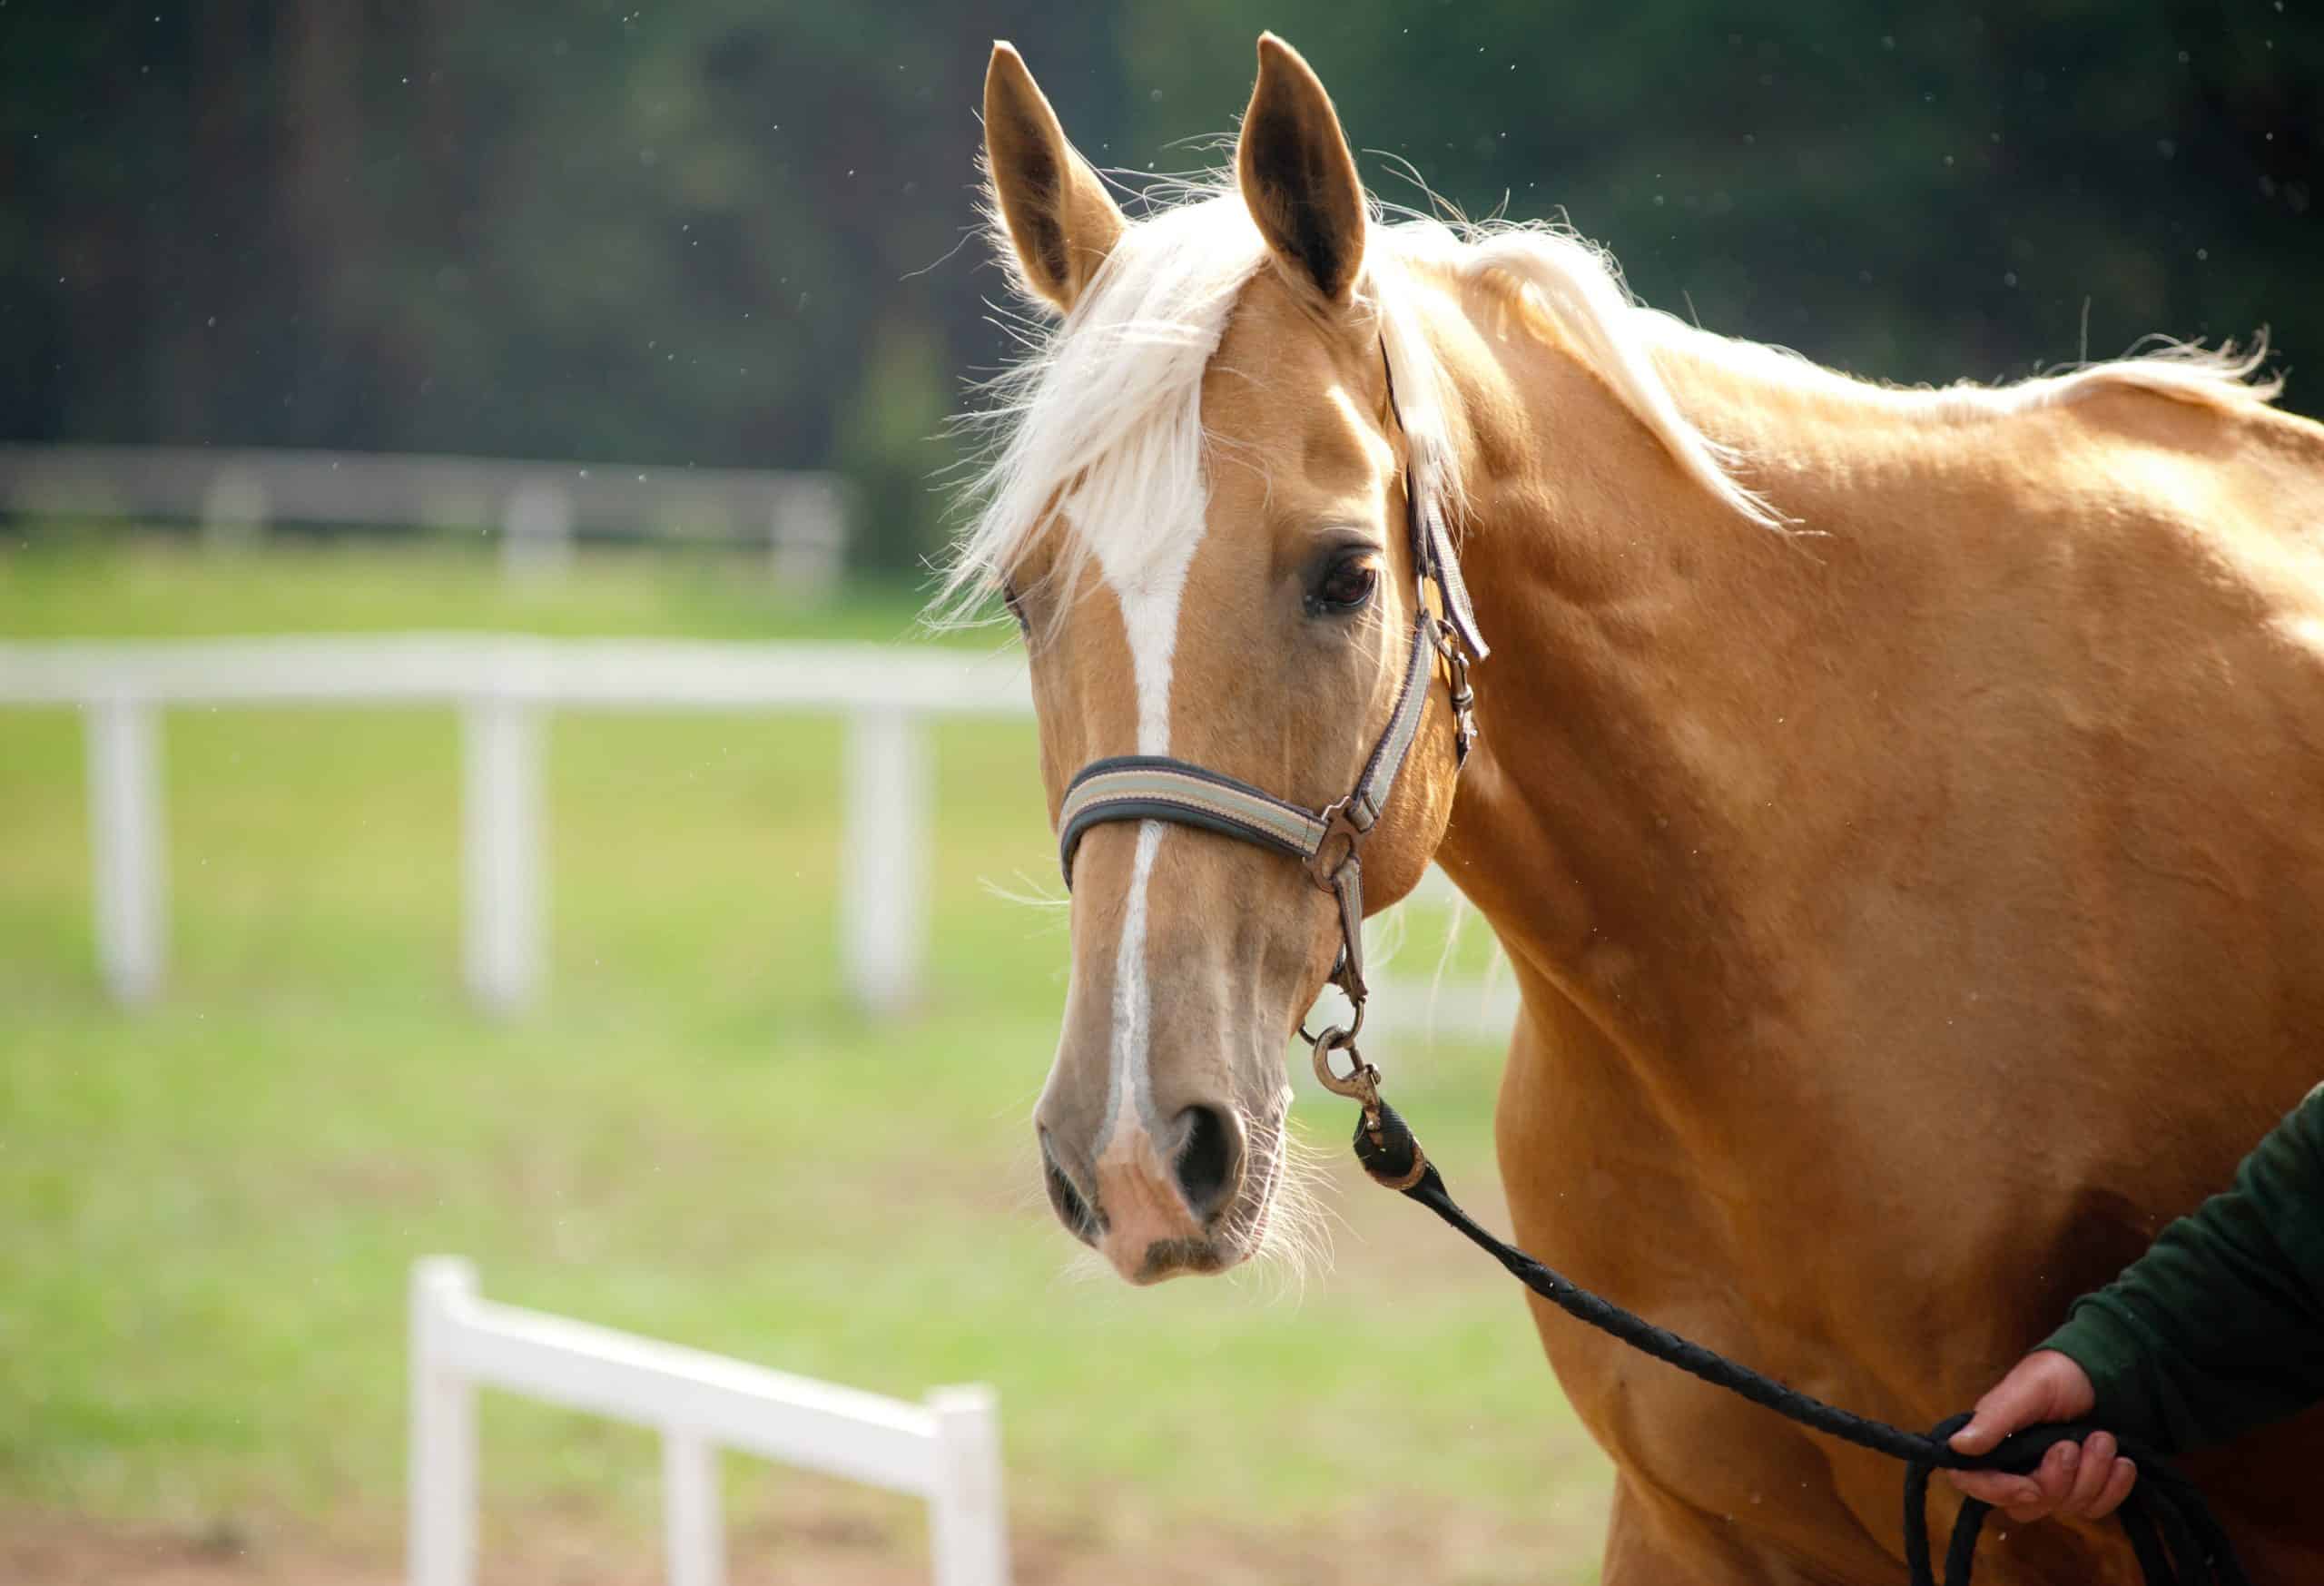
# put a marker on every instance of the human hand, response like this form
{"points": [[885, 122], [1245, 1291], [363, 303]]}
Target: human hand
{"points": [[2088, 1479]]}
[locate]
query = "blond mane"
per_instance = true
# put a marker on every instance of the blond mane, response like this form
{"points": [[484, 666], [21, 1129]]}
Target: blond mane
{"points": [[1098, 424]]}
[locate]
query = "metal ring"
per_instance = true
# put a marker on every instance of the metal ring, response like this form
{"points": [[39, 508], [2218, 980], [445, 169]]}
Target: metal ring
{"points": [[1358, 1003], [1337, 823], [1346, 1037]]}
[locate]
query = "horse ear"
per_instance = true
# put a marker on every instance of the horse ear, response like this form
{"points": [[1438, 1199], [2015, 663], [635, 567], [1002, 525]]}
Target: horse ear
{"points": [[1297, 176], [1062, 221]]}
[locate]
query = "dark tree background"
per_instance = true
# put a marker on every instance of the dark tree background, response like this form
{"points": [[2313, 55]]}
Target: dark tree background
{"points": [[722, 232]]}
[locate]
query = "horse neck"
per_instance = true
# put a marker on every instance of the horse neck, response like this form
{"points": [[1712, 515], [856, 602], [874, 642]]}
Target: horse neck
{"points": [[1671, 716]]}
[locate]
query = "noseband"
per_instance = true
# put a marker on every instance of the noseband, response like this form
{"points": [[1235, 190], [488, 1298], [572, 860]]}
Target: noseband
{"points": [[1328, 843]]}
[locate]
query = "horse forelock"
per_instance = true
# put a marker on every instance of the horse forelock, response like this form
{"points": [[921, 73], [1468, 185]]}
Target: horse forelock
{"points": [[1094, 438]]}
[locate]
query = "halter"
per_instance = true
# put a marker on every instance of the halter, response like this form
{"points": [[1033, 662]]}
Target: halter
{"points": [[1328, 843]]}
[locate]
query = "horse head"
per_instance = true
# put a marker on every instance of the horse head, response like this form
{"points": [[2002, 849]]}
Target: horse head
{"points": [[1196, 511]]}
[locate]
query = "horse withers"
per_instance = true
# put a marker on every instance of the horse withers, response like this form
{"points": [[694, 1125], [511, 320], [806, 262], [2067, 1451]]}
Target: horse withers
{"points": [[1903, 809]]}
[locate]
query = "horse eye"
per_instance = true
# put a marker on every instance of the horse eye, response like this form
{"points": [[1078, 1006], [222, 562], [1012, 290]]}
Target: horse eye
{"points": [[1348, 585], [1009, 598]]}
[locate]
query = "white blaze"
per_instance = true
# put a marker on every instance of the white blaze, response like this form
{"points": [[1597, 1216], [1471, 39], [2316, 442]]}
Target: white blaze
{"points": [[1148, 591]]}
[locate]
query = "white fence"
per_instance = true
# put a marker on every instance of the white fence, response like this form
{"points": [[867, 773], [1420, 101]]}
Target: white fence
{"points": [[947, 1451], [502, 686], [538, 508]]}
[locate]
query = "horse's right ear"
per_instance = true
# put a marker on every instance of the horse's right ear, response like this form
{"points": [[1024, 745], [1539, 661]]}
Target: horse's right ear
{"points": [[1062, 221]]}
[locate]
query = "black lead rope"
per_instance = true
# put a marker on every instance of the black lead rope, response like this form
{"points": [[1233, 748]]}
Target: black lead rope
{"points": [[2178, 1541]]}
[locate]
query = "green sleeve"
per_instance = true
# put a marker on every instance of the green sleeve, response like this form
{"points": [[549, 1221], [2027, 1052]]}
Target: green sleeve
{"points": [[2220, 1325]]}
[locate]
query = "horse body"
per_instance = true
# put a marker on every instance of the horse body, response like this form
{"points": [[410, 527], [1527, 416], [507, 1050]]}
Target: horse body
{"points": [[1913, 893], [1909, 919]]}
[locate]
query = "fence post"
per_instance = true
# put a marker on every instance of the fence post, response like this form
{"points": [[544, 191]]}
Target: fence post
{"points": [[537, 531], [126, 842], [233, 509], [884, 880], [500, 850], [967, 1521], [693, 1532], [440, 1540], [807, 540]]}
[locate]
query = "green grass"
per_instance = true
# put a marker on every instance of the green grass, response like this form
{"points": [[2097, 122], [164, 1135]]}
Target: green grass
{"points": [[207, 1208], [69, 581]]}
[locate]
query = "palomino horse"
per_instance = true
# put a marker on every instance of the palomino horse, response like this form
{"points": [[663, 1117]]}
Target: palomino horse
{"points": [[1904, 810]]}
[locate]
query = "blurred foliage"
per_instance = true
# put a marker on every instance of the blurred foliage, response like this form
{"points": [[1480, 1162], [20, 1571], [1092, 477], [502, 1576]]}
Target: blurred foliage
{"points": [[732, 233]]}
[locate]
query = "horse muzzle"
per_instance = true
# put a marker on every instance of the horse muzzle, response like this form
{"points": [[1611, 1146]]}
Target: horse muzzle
{"points": [[1160, 1204]]}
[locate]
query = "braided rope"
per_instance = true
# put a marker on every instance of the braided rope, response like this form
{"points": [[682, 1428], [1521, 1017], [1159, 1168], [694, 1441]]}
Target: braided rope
{"points": [[2177, 1540]]}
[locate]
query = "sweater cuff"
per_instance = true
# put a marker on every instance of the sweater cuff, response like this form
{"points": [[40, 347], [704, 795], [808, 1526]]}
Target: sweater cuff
{"points": [[2110, 1353]]}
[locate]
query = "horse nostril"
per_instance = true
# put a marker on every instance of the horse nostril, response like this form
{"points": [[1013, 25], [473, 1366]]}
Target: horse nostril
{"points": [[1066, 1201], [1210, 1162]]}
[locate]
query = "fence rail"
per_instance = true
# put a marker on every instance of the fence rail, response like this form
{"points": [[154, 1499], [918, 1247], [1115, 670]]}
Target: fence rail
{"points": [[538, 508], [946, 1450], [503, 686]]}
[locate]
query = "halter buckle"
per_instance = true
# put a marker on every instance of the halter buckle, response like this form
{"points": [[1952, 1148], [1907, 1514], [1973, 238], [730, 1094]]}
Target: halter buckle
{"points": [[1462, 699]]}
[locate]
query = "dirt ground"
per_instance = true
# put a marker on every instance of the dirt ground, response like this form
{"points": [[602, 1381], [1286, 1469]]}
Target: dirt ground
{"points": [[40, 1548]]}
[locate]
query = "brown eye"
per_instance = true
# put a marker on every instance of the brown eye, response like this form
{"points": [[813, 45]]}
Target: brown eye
{"points": [[1347, 586]]}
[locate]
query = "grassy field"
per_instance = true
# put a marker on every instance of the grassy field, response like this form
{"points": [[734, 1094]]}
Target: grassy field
{"points": [[207, 1208]]}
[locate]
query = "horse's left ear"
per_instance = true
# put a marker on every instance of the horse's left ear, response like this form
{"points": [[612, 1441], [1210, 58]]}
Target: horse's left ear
{"points": [[1060, 220], [1297, 176]]}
